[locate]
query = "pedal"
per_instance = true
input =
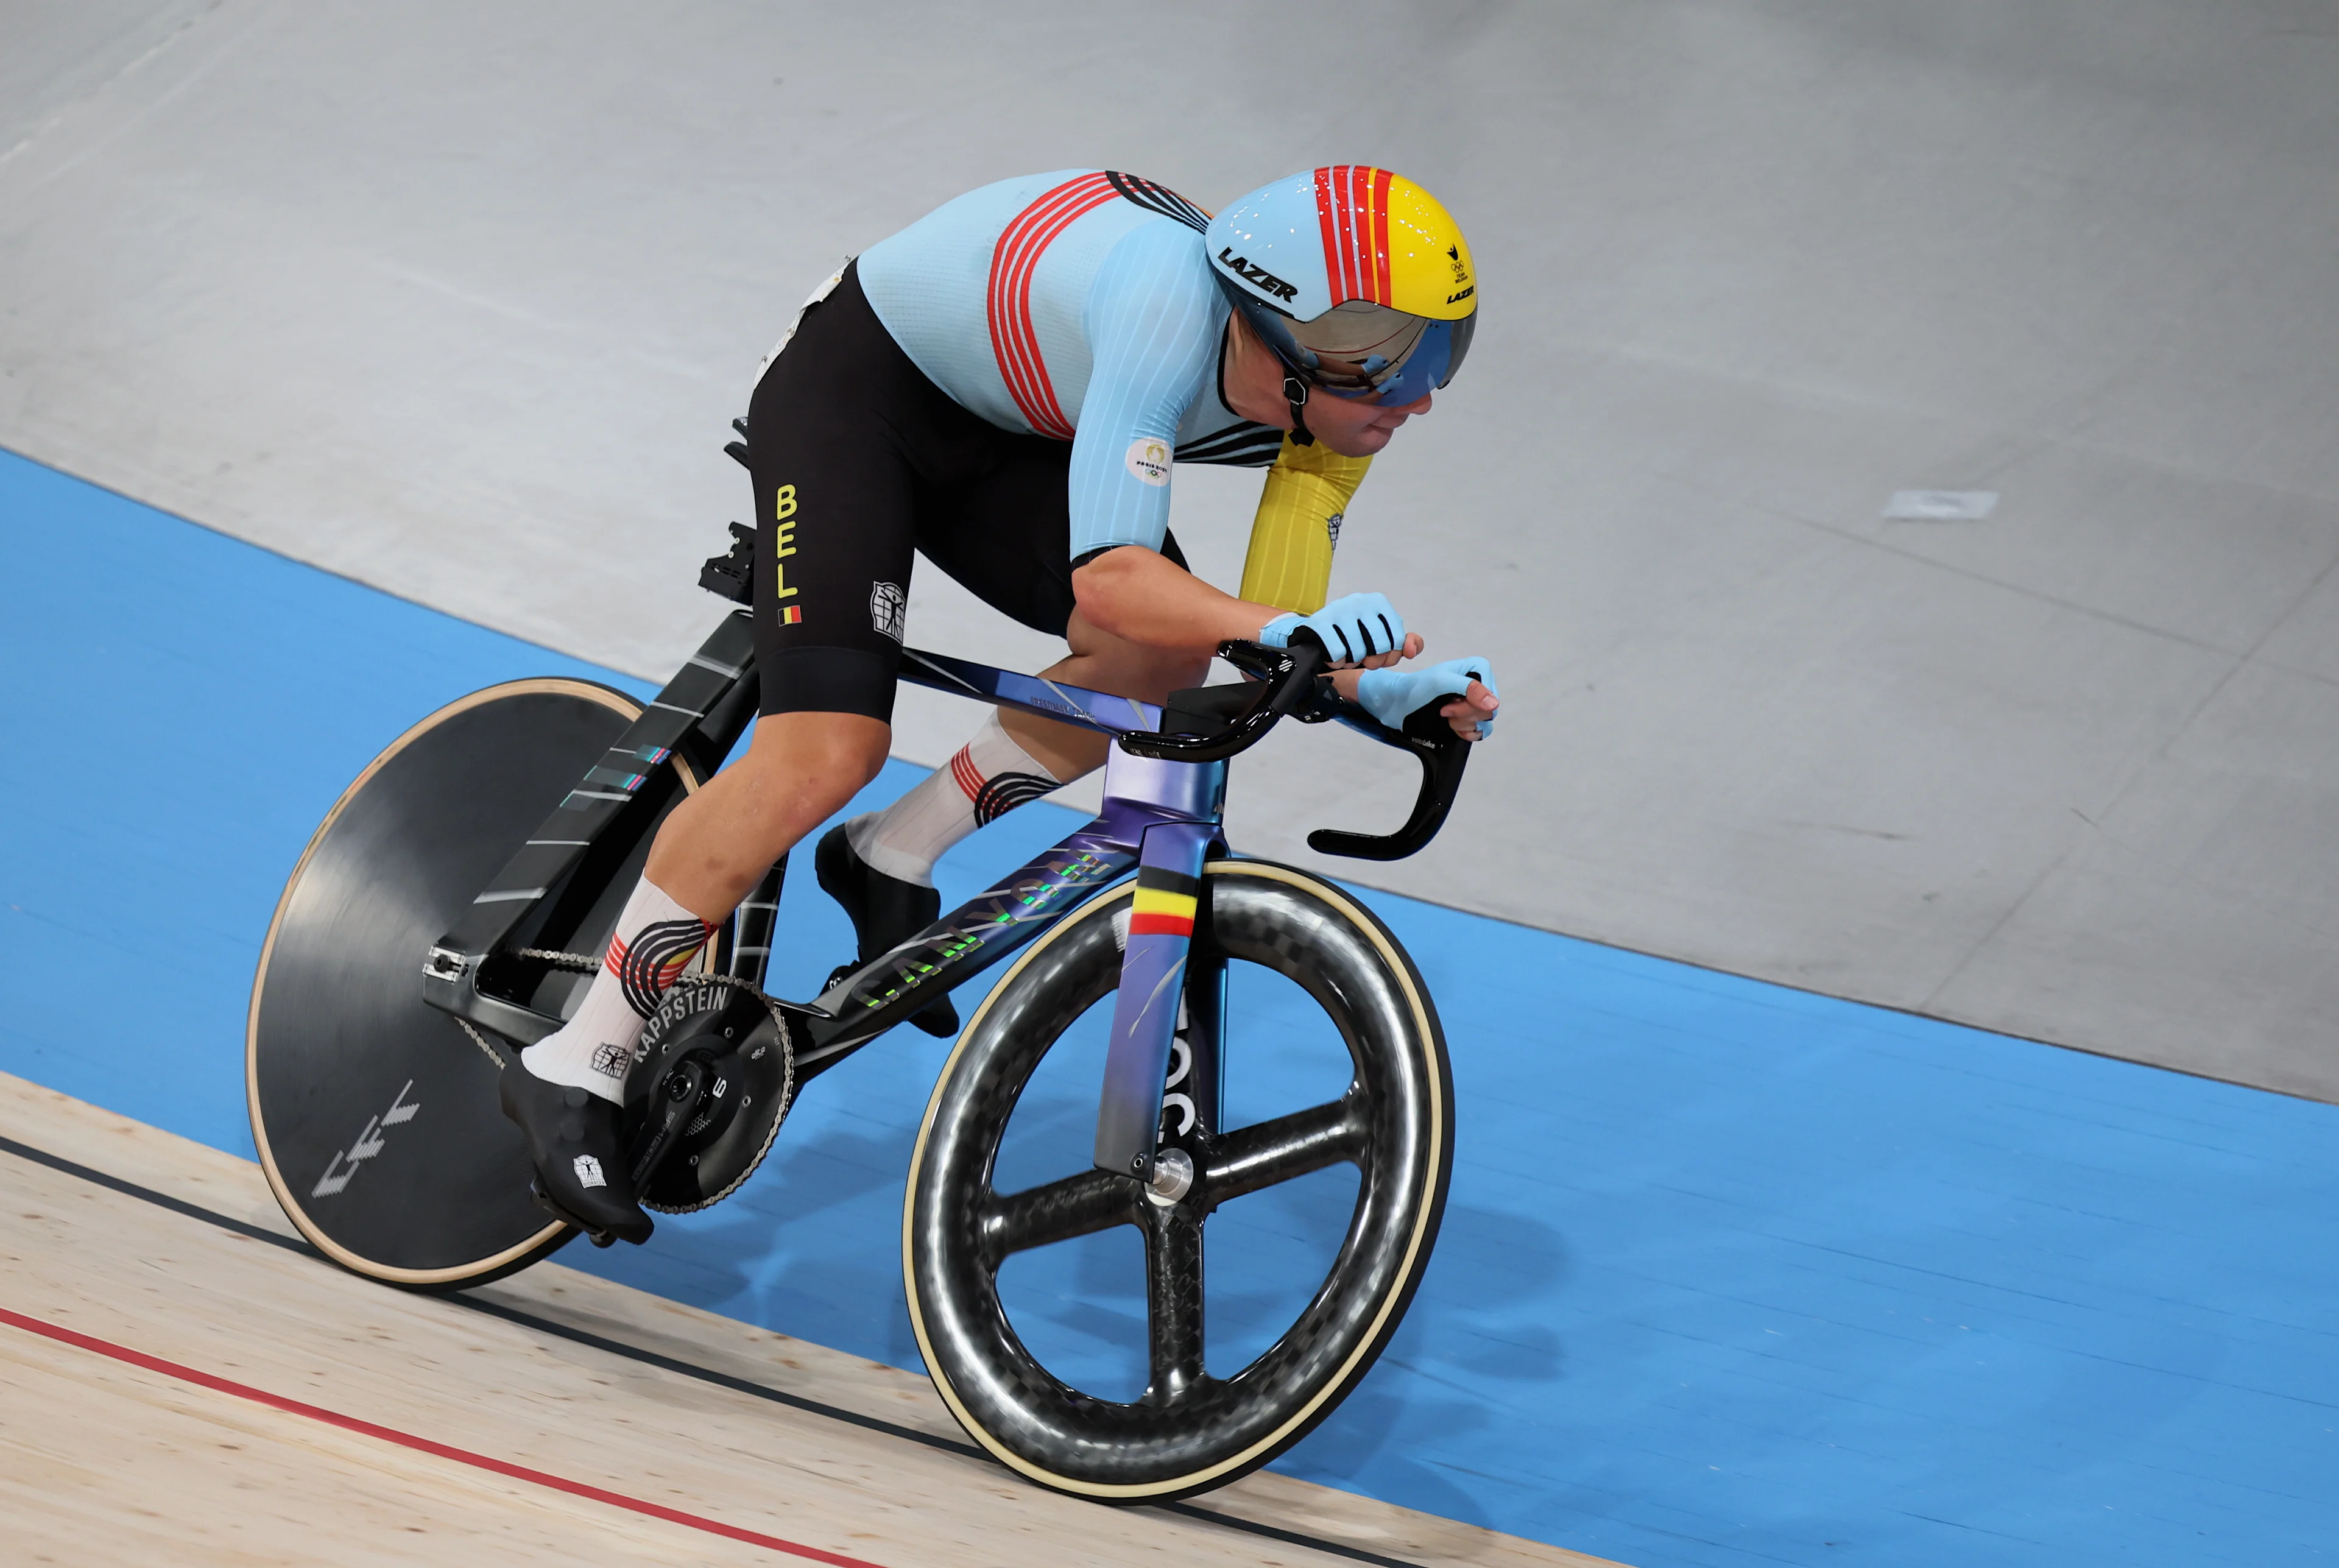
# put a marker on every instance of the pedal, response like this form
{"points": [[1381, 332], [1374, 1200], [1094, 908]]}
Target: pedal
{"points": [[544, 1201]]}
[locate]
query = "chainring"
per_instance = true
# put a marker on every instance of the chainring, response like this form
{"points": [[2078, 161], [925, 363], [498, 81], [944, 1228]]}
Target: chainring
{"points": [[739, 1042]]}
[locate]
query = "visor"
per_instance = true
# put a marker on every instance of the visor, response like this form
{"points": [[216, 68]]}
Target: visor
{"points": [[1368, 352]]}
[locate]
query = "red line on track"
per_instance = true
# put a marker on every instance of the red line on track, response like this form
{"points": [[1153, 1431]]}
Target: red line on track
{"points": [[421, 1445]]}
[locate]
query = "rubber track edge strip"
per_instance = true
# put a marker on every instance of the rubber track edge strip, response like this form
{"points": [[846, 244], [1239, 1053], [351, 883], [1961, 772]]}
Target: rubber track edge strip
{"points": [[212, 1217]]}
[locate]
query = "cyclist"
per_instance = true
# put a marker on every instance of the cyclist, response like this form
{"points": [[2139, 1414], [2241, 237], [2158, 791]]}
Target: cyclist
{"points": [[1003, 387]]}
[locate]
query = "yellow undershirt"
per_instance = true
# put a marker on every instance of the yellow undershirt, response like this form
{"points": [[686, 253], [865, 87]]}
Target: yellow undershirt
{"points": [[1289, 563]]}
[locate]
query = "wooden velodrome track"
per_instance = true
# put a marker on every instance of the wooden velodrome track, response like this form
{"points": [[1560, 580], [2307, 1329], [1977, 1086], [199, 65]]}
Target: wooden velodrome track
{"points": [[183, 1381]]}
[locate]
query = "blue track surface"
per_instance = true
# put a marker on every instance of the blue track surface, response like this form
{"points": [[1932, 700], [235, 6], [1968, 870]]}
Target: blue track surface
{"points": [[1732, 1274]]}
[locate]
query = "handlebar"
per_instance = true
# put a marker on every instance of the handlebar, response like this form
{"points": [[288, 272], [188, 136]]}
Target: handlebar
{"points": [[1290, 682], [1443, 754], [1286, 682]]}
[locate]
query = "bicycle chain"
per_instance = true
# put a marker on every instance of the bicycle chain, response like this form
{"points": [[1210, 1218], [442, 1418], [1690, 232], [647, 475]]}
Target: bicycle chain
{"points": [[482, 1043], [551, 955], [554, 956]]}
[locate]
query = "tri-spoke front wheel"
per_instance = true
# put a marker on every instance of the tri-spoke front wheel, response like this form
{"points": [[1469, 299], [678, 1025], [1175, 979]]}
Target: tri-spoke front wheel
{"points": [[1189, 1429]]}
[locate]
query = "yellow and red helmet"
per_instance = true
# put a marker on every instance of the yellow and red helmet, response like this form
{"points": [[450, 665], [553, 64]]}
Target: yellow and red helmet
{"points": [[1356, 278]]}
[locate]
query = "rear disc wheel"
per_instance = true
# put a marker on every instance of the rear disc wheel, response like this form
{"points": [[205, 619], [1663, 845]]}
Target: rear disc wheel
{"points": [[376, 1114]]}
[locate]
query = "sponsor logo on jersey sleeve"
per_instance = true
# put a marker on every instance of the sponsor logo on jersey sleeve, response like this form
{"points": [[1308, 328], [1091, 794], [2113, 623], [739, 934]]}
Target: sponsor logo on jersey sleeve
{"points": [[1149, 460]]}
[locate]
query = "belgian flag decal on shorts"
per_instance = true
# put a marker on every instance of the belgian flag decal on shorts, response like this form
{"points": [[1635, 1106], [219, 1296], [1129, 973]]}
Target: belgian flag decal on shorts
{"points": [[1165, 904]]}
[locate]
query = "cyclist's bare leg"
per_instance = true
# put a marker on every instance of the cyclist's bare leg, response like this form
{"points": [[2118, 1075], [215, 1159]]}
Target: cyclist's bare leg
{"points": [[800, 769], [712, 848], [715, 846]]}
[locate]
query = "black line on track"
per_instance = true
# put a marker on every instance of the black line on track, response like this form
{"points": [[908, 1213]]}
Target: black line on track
{"points": [[721, 1379], [159, 1199], [663, 1362]]}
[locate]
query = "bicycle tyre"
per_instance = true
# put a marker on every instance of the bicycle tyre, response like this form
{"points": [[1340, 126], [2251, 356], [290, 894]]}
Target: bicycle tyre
{"points": [[1398, 1108], [337, 1022]]}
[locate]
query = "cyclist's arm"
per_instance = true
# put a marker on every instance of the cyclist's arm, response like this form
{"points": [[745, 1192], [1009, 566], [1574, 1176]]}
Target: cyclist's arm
{"points": [[1146, 598], [1144, 595], [1307, 491], [1152, 320]]}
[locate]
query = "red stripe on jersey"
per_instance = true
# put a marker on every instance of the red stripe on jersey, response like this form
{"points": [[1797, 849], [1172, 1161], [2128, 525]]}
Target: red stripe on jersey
{"points": [[965, 774], [1013, 340]]}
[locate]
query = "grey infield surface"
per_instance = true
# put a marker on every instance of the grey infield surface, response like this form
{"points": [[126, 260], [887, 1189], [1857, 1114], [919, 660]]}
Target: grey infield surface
{"points": [[457, 300]]}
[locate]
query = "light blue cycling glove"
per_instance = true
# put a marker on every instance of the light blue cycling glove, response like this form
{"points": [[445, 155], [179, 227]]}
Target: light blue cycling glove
{"points": [[1394, 694], [1351, 628]]}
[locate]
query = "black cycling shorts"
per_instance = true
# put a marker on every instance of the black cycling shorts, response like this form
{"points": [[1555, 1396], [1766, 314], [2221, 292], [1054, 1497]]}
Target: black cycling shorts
{"points": [[858, 460]]}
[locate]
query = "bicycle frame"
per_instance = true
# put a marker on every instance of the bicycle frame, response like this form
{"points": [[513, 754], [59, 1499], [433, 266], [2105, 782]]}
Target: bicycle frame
{"points": [[1163, 817]]}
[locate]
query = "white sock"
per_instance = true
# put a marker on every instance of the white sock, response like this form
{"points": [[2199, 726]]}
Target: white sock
{"points": [[989, 776], [655, 939]]}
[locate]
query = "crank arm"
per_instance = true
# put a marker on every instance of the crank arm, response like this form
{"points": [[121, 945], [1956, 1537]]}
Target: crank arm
{"points": [[679, 1096]]}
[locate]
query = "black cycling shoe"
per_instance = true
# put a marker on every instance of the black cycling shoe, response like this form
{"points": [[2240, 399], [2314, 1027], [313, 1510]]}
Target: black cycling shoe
{"points": [[886, 911], [580, 1164]]}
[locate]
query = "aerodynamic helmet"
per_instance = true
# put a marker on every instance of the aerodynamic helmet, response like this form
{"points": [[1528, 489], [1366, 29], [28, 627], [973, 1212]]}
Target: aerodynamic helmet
{"points": [[1356, 278]]}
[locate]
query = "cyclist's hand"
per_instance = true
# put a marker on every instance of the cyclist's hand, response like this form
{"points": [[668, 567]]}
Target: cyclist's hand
{"points": [[1360, 629], [1461, 691]]}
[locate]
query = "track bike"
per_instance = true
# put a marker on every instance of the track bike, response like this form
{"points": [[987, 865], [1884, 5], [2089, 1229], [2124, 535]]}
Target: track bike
{"points": [[450, 908]]}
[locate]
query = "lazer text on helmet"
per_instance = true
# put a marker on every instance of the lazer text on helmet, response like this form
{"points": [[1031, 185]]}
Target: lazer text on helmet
{"points": [[1269, 284]]}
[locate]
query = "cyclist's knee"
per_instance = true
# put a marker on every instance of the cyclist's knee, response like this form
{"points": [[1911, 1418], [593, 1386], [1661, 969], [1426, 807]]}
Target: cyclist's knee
{"points": [[814, 762]]}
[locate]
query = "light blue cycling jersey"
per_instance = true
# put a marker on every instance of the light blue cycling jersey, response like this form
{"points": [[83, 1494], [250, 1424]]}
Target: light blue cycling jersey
{"points": [[1078, 305]]}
